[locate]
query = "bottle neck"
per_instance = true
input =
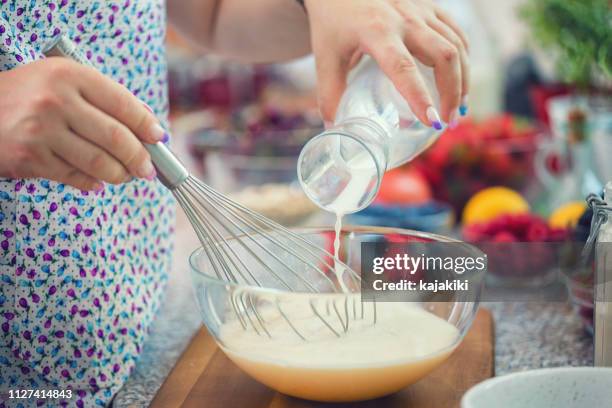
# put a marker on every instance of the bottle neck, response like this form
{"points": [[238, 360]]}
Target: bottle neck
{"points": [[341, 169], [371, 134]]}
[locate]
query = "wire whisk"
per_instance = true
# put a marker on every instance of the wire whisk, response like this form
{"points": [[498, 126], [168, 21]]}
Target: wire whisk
{"points": [[246, 248]]}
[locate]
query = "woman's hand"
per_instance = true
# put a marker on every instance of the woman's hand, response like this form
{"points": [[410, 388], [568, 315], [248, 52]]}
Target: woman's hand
{"points": [[394, 33], [67, 122]]}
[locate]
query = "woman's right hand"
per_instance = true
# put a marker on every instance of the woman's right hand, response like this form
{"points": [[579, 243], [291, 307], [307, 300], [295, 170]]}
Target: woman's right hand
{"points": [[67, 122]]}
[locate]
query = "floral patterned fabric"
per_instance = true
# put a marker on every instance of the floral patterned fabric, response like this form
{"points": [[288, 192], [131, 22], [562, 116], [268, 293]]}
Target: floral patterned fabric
{"points": [[82, 273]]}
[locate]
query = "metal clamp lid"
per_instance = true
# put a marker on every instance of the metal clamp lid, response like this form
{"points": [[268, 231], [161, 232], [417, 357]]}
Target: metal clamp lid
{"points": [[601, 209]]}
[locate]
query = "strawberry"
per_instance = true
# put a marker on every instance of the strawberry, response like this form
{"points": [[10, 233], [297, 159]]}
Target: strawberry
{"points": [[555, 164], [496, 151]]}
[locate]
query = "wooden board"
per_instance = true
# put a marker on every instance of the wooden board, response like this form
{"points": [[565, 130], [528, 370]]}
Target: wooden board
{"points": [[204, 377]]}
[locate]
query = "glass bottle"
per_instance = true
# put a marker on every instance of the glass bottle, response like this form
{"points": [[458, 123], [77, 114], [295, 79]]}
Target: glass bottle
{"points": [[374, 130]]}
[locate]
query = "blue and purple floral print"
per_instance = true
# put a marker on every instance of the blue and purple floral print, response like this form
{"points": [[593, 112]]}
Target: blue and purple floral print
{"points": [[82, 273]]}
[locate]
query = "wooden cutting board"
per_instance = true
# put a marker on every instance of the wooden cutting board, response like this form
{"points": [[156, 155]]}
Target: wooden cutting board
{"points": [[204, 377]]}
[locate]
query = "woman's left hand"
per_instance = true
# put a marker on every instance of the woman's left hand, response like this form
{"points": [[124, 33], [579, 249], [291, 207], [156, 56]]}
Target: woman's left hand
{"points": [[394, 33]]}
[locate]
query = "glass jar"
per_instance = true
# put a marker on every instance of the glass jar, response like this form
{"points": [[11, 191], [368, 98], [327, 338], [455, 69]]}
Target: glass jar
{"points": [[602, 215]]}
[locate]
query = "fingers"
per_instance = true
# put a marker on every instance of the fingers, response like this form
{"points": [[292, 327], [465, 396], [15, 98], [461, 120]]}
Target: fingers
{"points": [[118, 102], [434, 50], [446, 19], [88, 158], [453, 38], [399, 65], [331, 82], [57, 169], [113, 137]]}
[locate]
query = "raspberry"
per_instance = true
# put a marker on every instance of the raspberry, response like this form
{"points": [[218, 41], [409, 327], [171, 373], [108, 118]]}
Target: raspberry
{"points": [[496, 225], [475, 233], [558, 234], [519, 223], [537, 232], [504, 236]]}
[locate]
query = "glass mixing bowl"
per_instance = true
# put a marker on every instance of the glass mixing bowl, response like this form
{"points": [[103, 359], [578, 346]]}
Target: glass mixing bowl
{"points": [[320, 345]]}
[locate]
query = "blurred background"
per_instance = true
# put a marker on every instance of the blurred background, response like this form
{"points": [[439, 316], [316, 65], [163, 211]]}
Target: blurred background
{"points": [[536, 142]]}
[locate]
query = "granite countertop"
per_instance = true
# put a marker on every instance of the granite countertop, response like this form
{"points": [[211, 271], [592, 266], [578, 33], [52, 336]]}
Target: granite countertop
{"points": [[527, 335]]}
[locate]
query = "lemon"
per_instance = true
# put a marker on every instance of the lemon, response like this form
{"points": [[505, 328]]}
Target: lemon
{"points": [[491, 202], [567, 215]]}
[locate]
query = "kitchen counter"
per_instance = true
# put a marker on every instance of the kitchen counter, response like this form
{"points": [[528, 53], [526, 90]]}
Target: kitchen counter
{"points": [[527, 335]]}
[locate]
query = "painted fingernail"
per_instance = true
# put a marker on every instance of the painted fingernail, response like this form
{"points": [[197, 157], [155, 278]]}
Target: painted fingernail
{"points": [[147, 171], [148, 107], [166, 138], [463, 108], [434, 118], [152, 176], [157, 132]]}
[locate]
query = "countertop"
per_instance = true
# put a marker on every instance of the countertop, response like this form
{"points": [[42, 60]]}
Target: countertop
{"points": [[527, 335]]}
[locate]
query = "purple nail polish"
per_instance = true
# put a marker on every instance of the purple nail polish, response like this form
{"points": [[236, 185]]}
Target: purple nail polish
{"points": [[434, 118], [166, 138]]}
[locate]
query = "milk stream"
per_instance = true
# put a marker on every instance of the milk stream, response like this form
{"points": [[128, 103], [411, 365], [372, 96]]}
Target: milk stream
{"points": [[338, 268], [362, 170]]}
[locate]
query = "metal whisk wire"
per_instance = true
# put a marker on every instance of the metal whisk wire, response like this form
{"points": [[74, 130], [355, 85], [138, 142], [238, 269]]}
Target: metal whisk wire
{"points": [[223, 226], [204, 197]]}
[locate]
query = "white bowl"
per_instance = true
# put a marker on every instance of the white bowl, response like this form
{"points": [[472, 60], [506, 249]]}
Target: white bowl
{"points": [[567, 387]]}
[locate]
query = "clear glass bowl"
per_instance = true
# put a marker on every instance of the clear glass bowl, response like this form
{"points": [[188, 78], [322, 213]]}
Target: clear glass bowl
{"points": [[259, 328]]}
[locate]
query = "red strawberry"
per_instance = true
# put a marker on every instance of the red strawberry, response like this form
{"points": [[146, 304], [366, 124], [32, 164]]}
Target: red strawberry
{"points": [[555, 164]]}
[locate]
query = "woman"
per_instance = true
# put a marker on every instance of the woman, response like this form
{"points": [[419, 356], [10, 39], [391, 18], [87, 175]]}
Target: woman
{"points": [[85, 230]]}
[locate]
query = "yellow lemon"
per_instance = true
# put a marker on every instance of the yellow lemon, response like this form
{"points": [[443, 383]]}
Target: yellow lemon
{"points": [[491, 202], [567, 215]]}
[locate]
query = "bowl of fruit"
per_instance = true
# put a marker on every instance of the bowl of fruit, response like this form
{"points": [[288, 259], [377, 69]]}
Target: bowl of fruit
{"points": [[519, 244], [252, 145], [477, 154]]}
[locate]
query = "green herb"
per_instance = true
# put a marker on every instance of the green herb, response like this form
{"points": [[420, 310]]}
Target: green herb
{"points": [[580, 31]]}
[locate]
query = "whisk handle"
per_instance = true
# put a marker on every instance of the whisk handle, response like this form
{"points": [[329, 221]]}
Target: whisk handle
{"points": [[170, 170]]}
